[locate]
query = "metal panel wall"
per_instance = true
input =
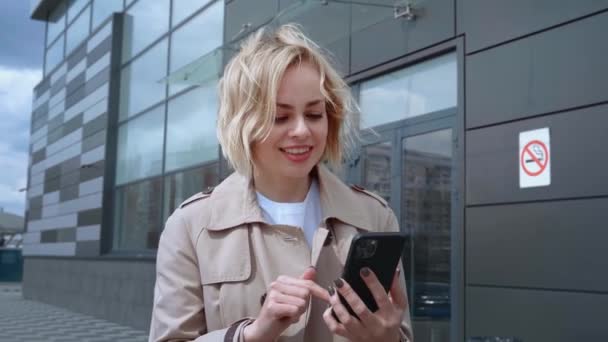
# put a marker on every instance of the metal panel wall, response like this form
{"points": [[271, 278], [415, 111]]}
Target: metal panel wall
{"points": [[491, 22], [555, 70]]}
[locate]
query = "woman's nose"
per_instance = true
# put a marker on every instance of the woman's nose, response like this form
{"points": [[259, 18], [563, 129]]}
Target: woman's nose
{"points": [[300, 128]]}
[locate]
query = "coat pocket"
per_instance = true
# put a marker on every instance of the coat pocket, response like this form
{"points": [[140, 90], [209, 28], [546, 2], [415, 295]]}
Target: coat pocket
{"points": [[224, 259]]}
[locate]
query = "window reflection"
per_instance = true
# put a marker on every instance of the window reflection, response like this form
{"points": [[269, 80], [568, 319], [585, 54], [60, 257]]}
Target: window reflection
{"points": [[144, 22], [377, 169], [180, 186], [102, 9], [139, 81], [78, 30], [140, 146], [74, 8], [55, 23], [54, 55], [184, 8], [420, 89], [186, 43], [191, 138], [137, 215], [426, 216]]}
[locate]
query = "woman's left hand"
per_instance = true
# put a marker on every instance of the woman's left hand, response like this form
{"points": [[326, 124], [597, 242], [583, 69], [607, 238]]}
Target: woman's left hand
{"points": [[382, 325]]}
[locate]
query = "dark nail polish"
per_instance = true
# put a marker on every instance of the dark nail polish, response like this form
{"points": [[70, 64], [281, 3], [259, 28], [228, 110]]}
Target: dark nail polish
{"points": [[331, 291], [339, 283], [365, 272]]}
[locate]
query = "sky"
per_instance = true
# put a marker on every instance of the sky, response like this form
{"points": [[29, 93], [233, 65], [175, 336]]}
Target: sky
{"points": [[21, 49]]}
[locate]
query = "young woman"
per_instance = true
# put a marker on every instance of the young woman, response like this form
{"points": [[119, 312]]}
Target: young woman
{"points": [[252, 260]]}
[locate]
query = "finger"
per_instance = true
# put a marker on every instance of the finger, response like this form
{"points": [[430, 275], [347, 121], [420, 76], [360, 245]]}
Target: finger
{"points": [[375, 287], [333, 325], [280, 310], [313, 288], [287, 299], [309, 274], [397, 292], [290, 290], [351, 323]]}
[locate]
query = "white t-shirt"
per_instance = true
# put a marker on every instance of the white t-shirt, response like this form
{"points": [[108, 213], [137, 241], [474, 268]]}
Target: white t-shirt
{"points": [[304, 215]]}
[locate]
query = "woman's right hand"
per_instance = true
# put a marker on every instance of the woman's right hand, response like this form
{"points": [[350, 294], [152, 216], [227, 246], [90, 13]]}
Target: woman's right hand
{"points": [[286, 300]]}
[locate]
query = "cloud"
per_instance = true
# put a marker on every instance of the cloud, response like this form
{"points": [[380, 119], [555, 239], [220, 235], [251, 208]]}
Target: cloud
{"points": [[16, 86]]}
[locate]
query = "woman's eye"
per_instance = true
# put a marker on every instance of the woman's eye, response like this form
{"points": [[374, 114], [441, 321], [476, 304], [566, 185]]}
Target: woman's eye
{"points": [[315, 116], [280, 119]]}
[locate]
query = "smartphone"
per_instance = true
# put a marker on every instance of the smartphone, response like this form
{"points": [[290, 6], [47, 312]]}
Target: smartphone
{"points": [[381, 253]]}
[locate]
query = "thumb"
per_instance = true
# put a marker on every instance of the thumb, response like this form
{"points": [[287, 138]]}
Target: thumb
{"points": [[309, 274]]}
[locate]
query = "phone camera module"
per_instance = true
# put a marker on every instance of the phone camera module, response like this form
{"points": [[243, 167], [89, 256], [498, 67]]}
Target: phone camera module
{"points": [[366, 249]]}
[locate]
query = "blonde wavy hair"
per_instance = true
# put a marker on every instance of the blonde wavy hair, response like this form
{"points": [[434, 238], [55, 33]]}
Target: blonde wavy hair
{"points": [[248, 90]]}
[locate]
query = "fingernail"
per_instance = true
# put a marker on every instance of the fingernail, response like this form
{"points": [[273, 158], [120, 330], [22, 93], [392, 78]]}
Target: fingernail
{"points": [[365, 271], [398, 270], [339, 283], [331, 291]]}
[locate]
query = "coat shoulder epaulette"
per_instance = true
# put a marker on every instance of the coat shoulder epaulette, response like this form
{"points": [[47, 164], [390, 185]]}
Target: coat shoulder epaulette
{"points": [[362, 190], [197, 197]]}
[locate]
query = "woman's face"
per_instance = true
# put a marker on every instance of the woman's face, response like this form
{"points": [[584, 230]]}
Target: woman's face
{"points": [[298, 137]]}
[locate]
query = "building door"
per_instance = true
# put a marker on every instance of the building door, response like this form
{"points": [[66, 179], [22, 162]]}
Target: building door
{"points": [[408, 127], [410, 165]]}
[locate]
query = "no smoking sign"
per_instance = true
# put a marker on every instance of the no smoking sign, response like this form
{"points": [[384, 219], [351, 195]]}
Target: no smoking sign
{"points": [[534, 158]]}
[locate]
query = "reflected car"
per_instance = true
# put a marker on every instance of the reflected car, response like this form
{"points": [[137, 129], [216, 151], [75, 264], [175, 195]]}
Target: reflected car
{"points": [[432, 300]]}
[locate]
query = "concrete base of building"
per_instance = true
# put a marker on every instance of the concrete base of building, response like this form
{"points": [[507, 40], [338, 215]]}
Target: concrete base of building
{"points": [[119, 291]]}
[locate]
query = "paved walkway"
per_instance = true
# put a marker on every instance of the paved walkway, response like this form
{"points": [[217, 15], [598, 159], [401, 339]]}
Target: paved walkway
{"points": [[26, 320]]}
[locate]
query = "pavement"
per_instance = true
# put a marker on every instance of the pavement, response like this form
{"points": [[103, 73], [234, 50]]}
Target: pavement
{"points": [[27, 320]]}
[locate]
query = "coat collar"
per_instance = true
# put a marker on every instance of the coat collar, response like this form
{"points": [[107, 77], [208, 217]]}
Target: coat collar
{"points": [[233, 203]]}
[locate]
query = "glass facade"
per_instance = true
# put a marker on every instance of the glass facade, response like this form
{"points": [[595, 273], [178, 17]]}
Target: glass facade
{"points": [[102, 9], [167, 146], [78, 30], [420, 89], [145, 22]]}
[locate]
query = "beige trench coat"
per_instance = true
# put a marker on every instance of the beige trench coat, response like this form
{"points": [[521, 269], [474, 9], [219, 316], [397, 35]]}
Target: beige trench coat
{"points": [[217, 256]]}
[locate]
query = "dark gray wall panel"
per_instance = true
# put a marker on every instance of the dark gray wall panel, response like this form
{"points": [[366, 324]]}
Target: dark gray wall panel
{"points": [[558, 69], [95, 125], [76, 56], [392, 38], [240, 12], [536, 316], [99, 51], [515, 18], [578, 158], [87, 248], [507, 245]]}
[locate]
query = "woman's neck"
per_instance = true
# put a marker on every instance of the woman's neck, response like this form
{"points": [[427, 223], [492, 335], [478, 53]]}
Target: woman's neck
{"points": [[284, 190]]}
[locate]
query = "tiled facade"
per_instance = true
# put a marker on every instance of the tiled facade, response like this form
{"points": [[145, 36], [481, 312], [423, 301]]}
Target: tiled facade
{"points": [[68, 152]]}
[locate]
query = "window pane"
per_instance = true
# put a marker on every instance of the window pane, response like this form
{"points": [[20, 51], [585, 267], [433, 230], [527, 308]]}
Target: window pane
{"points": [[191, 137], [102, 9], [417, 90], [137, 215], [144, 23], [75, 7], [181, 185], [78, 30], [140, 146], [56, 23], [185, 8], [377, 169], [54, 55], [426, 214], [187, 45], [140, 86]]}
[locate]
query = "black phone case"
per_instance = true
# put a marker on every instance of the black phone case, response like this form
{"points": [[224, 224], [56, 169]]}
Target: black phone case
{"points": [[383, 263]]}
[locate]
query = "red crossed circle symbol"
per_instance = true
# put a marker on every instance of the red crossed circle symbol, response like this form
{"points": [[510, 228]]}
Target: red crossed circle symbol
{"points": [[541, 163]]}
